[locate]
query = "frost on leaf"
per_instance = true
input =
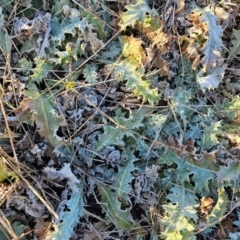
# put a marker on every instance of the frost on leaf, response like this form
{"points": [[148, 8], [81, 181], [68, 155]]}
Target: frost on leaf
{"points": [[181, 100], [230, 109], [57, 8], [138, 12], [209, 138], [220, 208], [124, 177], [92, 38], [39, 27], [43, 113], [64, 173], [41, 71], [235, 49], [113, 135], [124, 70], [229, 174], [206, 26], [70, 218], [111, 51], [14, 227], [212, 80], [5, 40], [180, 215], [200, 172], [122, 219], [90, 73]]}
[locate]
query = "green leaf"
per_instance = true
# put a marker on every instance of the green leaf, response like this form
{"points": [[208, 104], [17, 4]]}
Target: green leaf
{"points": [[74, 24], [111, 51], [235, 49], [154, 124], [29, 46], [114, 135], [186, 201], [41, 71], [127, 71], [213, 33], [181, 100], [219, 209], [57, 9], [57, 35], [180, 215], [212, 80], [209, 139], [229, 174], [25, 65], [138, 12], [228, 108], [70, 218], [111, 136], [134, 120], [5, 40], [6, 5], [122, 219], [17, 227], [124, 176], [44, 115], [236, 235], [90, 73], [201, 172]]}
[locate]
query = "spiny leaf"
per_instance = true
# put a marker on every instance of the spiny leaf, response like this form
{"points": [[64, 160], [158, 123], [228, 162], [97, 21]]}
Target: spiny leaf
{"points": [[180, 101], [70, 218], [74, 24], [17, 227], [186, 201], [57, 9], [5, 40], [180, 214], [134, 120], [127, 71], [207, 25], [212, 80], [25, 65], [111, 51], [138, 12], [122, 219], [230, 109], [235, 49], [114, 135], [229, 174], [124, 176], [111, 136], [44, 115], [201, 174], [220, 208], [133, 50], [90, 73], [57, 35], [41, 71], [209, 138]]}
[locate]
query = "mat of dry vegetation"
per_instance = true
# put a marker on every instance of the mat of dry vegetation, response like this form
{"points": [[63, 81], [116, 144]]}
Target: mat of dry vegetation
{"points": [[119, 119]]}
